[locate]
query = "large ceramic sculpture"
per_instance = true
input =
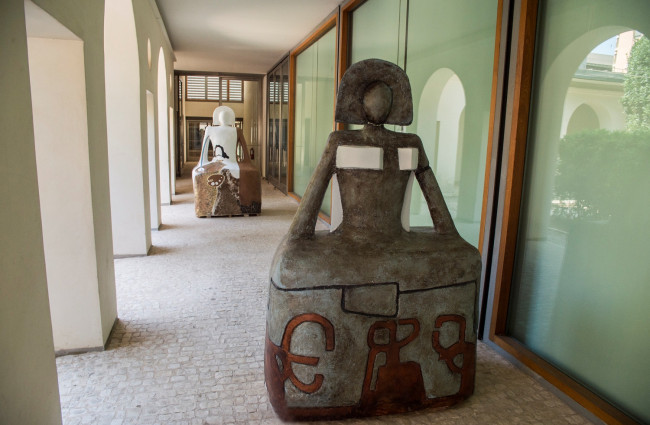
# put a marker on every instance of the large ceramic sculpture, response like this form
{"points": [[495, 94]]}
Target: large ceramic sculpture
{"points": [[371, 319], [229, 184]]}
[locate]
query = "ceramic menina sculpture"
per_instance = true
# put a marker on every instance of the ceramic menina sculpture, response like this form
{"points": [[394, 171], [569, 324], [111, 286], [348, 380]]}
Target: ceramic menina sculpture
{"points": [[228, 185], [371, 319]]}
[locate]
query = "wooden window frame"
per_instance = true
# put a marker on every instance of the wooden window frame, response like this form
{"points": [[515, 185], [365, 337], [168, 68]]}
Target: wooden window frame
{"points": [[228, 80], [504, 191], [222, 98]]}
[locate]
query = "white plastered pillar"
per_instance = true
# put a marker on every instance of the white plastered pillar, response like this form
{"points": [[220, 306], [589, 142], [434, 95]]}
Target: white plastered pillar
{"points": [[58, 92], [163, 132], [129, 207]]}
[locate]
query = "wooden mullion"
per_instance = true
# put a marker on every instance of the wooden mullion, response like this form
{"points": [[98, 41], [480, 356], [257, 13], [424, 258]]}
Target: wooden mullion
{"points": [[205, 88], [515, 163], [495, 101]]}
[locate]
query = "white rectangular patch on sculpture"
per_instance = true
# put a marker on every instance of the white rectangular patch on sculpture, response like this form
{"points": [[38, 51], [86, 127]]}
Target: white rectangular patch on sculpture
{"points": [[408, 158], [366, 157]]}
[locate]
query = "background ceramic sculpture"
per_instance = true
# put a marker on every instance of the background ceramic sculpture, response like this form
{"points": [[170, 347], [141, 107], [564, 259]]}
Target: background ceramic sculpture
{"points": [[229, 184], [371, 319]]}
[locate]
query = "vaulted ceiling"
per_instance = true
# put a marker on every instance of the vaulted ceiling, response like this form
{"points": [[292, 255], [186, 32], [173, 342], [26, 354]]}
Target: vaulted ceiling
{"points": [[239, 36]]}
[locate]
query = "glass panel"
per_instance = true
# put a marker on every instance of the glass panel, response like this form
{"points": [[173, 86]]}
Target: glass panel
{"points": [[276, 132], [273, 152], [581, 285], [450, 54], [315, 70], [282, 100], [269, 143], [195, 133], [251, 115], [369, 42]]}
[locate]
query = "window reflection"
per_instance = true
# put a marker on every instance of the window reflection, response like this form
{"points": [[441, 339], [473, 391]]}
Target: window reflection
{"points": [[441, 120], [314, 115], [449, 60], [447, 51], [582, 279]]}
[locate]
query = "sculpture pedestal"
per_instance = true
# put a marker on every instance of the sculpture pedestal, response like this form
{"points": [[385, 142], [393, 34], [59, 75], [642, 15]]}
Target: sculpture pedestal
{"points": [[218, 193], [361, 328]]}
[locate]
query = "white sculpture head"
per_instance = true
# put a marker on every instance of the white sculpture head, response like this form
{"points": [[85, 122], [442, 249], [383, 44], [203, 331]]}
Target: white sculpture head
{"points": [[223, 115]]}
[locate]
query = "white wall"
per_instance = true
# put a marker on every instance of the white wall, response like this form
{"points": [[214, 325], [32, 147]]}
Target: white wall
{"points": [[452, 103], [29, 392], [205, 109], [172, 151], [56, 69], [154, 192], [164, 152], [151, 36], [129, 207]]}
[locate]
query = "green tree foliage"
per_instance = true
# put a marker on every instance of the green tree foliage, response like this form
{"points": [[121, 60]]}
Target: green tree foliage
{"points": [[636, 89], [600, 169]]}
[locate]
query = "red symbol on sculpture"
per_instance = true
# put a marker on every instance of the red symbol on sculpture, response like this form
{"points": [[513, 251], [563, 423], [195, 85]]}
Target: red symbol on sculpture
{"points": [[392, 375], [215, 180], [286, 358], [448, 354]]}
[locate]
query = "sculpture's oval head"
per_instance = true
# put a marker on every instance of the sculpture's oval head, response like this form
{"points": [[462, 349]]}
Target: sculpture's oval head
{"points": [[223, 115], [377, 102], [374, 91]]}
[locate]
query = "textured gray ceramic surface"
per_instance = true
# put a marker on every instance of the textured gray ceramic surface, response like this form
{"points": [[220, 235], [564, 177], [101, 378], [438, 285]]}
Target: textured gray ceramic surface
{"points": [[371, 318]]}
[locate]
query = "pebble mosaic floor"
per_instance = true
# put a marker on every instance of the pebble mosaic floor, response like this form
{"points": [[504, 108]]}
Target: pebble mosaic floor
{"points": [[188, 345]]}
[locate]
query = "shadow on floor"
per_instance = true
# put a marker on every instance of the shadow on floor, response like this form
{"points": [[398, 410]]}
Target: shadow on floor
{"points": [[159, 250]]}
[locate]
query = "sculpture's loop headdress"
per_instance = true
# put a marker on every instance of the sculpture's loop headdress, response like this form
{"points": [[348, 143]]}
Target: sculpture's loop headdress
{"points": [[349, 99]]}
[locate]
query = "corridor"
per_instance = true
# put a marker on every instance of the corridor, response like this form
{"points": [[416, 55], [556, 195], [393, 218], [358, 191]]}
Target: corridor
{"points": [[188, 345]]}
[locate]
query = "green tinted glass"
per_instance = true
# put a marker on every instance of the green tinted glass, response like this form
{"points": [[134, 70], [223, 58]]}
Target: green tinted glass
{"points": [[314, 116], [449, 60], [581, 285]]}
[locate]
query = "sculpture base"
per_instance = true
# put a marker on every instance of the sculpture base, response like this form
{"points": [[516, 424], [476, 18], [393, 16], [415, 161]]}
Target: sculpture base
{"points": [[399, 398], [217, 193]]}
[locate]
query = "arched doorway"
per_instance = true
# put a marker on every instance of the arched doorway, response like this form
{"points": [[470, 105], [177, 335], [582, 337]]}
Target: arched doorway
{"points": [[583, 118], [440, 126]]}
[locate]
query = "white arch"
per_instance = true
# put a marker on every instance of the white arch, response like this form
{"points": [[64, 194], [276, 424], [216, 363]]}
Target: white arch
{"points": [[439, 110], [605, 103], [428, 108], [163, 132], [552, 93], [441, 104], [129, 208], [583, 117]]}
